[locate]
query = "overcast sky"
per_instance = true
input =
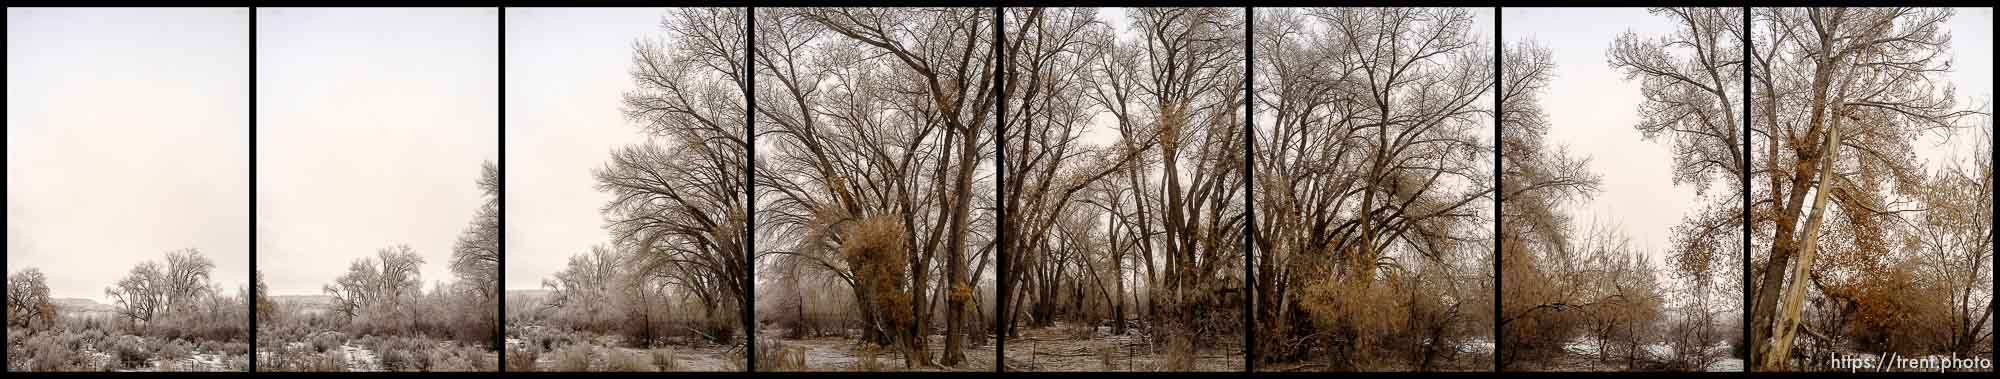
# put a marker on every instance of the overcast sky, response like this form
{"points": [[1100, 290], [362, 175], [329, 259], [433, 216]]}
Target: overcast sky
{"points": [[371, 126], [1972, 72], [1592, 110], [567, 70], [127, 137]]}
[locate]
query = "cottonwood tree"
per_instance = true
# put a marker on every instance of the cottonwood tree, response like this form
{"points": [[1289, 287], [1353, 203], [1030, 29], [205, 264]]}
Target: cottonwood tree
{"points": [[148, 289], [1692, 80], [1068, 70], [475, 258], [380, 294], [1189, 88], [186, 278], [582, 290], [678, 204], [267, 310], [878, 114], [178, 300], [1372, 165], [1955, 234], [1538, 180], [28, 302], [1565, 283], [1839, 96]]}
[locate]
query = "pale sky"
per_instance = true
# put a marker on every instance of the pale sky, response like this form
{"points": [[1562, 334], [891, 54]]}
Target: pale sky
{"points": [[1972, 72], [372, 124], [567, 70], [127, 137], [1592, 110]]}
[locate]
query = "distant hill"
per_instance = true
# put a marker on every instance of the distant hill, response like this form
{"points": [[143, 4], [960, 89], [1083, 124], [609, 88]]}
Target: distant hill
{"points": [[79, 305], [307, 304]]}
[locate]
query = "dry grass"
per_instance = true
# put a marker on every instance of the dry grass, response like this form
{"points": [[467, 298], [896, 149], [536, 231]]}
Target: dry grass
{"points": [[1180, 354], [522, 360], [774, 356], [868, 361], [666, 360], [572, 358]]}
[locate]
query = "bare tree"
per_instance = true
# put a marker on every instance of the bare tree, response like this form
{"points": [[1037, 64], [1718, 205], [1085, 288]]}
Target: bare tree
{"points": [[475, 258], [266, 310], [1538, 244], [381, 292], [141, 294], [1371, 168], [678, 204], [1840, 95], [28, 303], [186, 278], [1692, 80], [1069, 68], [879, 112], [583, 289], [1956, 233]]}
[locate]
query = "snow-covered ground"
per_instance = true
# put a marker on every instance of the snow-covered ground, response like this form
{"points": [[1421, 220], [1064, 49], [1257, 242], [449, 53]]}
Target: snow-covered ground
{"points": [[686, 358], [1727, 365], [1476, 346], [1056, 349], [1587, 347], [354, 357], [200, 361]]}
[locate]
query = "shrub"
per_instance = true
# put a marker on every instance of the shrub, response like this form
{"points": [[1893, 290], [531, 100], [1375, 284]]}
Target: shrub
{"points": [[47, 354], [209, 346], [131, 352], [720, 329], [450, 360], [325, 342], [666, 360], [1080, 331], [572, 358], [331, 361], [1107, 358], [235, 348], [482, 361], [629, 361], [75, 341], [1180, 354], [175, 351], [398, 360], [774, 356], [870, 355], [236, 363], [522, 360]]}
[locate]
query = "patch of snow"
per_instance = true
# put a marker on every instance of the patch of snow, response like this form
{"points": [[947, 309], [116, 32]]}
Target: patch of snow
{"points": [[360, 358], [1727, 365], [1480, 346]]}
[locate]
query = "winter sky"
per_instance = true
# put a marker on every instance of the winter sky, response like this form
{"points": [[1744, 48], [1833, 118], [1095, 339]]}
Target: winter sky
{"points": [[371, 126], [127, 137], [567, 70]]}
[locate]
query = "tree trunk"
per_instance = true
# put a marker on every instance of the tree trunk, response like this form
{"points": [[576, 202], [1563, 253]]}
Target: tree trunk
{"points": [[960, 290], [1778, 352]]}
